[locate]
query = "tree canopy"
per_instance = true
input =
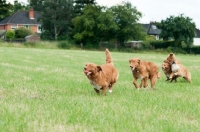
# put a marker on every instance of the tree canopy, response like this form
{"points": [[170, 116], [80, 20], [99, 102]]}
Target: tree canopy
{"points": [[118, 23], [5, 9], [180, 28], [126, 17]]}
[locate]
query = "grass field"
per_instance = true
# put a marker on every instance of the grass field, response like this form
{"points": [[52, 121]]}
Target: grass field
{"points": [[45, 90]]}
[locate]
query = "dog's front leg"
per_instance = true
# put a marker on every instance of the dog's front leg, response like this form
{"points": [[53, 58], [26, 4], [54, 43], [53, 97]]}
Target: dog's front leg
{"points": [[104, 90], [142, 82], [172, 75], [135, 83], [97, 91]]}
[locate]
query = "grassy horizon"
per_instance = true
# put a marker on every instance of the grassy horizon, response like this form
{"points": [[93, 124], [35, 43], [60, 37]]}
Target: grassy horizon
{"points": [[45, 90]]}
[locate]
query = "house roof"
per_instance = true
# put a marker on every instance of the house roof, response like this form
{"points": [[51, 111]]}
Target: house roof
{"points": [[197, 33], [151, 29], [21, 17]]}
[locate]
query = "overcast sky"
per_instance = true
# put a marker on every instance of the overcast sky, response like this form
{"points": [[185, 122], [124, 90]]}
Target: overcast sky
{"points": [[157, 10]]}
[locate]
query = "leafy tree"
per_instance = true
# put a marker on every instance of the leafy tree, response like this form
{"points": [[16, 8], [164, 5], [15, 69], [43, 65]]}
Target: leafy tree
{"points": [[56, 16], [5, 9], [179, 28], [126, 16], [10, 34], [85, 25], [37, 5], [94, 26], [22, 32], [19, 6], [80, 4]]}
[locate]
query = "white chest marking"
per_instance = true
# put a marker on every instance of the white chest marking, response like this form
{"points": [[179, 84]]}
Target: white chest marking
{"points": [[96, 86]]}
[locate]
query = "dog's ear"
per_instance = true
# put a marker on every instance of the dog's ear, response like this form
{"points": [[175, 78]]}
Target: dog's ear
{"points": [[171, 54], [99, 68], [138, 61]]}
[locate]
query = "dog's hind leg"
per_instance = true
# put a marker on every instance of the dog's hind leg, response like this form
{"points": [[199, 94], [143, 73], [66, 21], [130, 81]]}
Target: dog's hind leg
{"points": [[145, 82], [153, 80]]}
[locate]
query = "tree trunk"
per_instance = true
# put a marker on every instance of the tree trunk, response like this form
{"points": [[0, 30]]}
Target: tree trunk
{"points": [[55, 32]]}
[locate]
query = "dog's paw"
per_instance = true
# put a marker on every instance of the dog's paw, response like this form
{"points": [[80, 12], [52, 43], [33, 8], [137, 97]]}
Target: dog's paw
{"points": [[110, 91]]}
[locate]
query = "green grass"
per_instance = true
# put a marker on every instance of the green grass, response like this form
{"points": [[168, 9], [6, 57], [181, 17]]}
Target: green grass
{"points": [[45, 90]]}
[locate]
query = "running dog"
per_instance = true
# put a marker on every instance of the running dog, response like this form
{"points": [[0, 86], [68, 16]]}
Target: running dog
{"points": [[144, 70], [102, 77]]}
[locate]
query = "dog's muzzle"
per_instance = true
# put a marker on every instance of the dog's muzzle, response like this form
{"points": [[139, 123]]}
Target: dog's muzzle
{"points": [[132, 68], [87, 72]]}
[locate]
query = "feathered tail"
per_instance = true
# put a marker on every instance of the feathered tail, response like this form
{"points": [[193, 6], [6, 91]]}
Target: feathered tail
{"points": [[108, 57]]}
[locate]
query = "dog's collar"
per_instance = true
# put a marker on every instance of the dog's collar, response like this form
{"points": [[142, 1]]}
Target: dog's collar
{"points": [[173, 62]]}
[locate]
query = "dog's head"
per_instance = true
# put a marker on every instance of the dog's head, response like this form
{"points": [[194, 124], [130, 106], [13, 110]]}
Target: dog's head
{"points": [[134, 63], [91, 69], [170, 59], [166, 66]]}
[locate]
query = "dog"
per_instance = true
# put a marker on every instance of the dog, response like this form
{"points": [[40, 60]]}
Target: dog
{"points": [[177, 69], [166, 68], [102, 77], [172, 61], [144, 70], [183, 72]]}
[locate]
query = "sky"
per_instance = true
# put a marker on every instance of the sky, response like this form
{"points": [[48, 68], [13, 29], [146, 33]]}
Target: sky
{"points": [[157, 10]]}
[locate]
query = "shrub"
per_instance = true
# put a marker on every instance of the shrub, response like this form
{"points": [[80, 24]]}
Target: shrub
{"points": [[64, 45], [22, 32], [10, 34]]}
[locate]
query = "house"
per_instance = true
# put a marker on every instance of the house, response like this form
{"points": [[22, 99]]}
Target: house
{"points": [[27, 19], [152, 30], [197, 38]]}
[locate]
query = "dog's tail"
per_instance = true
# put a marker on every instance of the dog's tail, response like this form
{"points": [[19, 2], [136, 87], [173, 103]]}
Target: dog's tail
{"points": [[158, 75], [108, 57]]}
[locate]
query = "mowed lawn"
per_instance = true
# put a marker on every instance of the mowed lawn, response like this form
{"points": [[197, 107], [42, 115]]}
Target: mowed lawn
{"points": [[45, 90]]}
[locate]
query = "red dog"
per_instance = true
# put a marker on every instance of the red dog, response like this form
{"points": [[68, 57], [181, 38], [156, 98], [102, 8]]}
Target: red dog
{"points": [[102, 77], [144, 70]]}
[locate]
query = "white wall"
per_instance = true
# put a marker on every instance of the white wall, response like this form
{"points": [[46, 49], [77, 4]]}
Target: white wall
{"points": [[196, 41]]}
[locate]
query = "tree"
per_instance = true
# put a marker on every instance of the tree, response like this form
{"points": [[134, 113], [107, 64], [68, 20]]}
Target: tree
{"points": [[126, 16], [180, 29], [85, 25], [10, 34], [22, 32], [94, 26], [37, 5], [5, 9], [56, 16], [80, 4], [19, 6]]}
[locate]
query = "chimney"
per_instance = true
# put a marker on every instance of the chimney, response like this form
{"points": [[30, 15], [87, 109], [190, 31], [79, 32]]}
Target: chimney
{"points": [[31, 13]]}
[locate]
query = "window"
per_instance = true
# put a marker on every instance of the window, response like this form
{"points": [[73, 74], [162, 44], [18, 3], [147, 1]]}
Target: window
{"points": [[27, 26], [13, 27], [39, 30]]}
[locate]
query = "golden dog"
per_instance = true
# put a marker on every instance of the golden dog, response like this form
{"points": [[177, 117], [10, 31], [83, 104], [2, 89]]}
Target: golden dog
{"points": [[102, 77], [168, 72], [177, 69], [144, 70]]}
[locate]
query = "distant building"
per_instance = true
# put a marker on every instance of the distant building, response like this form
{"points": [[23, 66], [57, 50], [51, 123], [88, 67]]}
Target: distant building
{"points": [[152, 30], [27, 19]]}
